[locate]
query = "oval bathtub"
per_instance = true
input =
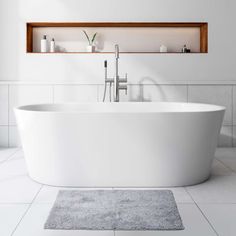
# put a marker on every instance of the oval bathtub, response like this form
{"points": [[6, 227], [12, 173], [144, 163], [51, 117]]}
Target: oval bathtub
{"points": [[119, 144]]}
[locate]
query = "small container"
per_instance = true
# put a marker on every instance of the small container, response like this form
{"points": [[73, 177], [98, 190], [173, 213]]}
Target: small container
{"points": [[90, 48], [44, 44], [52, 45], [184, 49], [163, 49]]}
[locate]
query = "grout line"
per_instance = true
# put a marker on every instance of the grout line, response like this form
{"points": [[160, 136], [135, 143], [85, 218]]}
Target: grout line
{"points": [[10, 156], [187, 93], [53, 94], [98, 93], [232, 115], [8, 115], [26, 211], [201, 212], [228, 167], [232, 110]]}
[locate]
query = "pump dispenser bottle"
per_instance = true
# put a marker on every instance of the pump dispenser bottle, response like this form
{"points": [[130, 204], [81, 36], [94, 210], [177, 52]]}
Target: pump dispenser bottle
{"points": [[52, 45], [44, 44]]}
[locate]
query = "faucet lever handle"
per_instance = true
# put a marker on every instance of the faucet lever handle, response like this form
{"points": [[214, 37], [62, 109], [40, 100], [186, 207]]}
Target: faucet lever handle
{"points": [[123, 87], [124, 80]]}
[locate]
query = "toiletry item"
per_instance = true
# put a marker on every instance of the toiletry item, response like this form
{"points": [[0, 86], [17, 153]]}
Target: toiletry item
{"points": [[52, 45], [90, 48], [184, 49], [44, 44], [163, 48]]}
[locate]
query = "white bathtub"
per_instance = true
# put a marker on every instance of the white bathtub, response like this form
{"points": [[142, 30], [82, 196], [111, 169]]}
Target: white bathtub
{"points": [[119, 144]]}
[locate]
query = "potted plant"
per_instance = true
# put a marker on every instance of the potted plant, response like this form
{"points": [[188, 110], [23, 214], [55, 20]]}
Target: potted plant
{"points": [[91, 46]]}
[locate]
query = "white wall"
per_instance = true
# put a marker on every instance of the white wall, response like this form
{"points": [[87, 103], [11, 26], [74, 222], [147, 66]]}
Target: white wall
{"points": [[198, 77], [219, 64]]}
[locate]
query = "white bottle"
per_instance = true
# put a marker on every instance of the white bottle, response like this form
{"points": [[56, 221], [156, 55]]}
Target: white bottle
{"points": [[52, 45], [44, 44]]}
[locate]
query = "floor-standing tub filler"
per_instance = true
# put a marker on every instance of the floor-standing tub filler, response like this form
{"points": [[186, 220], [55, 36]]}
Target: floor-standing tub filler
{"points": [[119, 144]]}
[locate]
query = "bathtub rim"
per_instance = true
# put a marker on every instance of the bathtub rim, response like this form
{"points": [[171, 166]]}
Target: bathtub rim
{"points": [[208, 108]]}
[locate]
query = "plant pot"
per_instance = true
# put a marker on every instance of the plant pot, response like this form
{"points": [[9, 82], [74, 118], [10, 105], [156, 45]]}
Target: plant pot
{"points": [[90, 48]]}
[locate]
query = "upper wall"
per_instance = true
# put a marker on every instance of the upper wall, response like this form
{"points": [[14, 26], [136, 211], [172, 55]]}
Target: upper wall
{"points": [[218, 64]]}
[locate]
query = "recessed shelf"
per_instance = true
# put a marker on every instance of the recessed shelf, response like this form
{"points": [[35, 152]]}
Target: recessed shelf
{"points": [[131, 36]]}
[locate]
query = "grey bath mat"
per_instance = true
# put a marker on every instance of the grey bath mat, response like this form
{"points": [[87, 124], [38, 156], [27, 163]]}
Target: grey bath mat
{"points": [[115, 210]]}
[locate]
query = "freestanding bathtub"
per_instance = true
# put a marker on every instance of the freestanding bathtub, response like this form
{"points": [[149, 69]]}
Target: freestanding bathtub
{"points": [[119, 144]]}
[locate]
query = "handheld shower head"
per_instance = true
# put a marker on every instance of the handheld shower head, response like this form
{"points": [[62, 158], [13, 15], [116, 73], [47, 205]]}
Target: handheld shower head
{"points": [[117, 51]]}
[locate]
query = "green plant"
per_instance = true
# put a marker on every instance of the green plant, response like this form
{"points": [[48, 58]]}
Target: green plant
{"points": [[90, 41]]}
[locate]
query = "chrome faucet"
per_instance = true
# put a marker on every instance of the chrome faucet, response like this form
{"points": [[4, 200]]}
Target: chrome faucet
{"points": [[117, 80]]}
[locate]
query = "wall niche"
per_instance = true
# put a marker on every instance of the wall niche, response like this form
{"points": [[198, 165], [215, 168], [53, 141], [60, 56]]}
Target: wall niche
{"points": [[132, 37]]}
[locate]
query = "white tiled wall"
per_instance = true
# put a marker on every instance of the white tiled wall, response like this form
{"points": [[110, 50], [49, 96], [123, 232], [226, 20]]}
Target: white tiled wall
{"points": [[4, 105], [28, 94], [14, 95], [75, 93], [220, 95]]}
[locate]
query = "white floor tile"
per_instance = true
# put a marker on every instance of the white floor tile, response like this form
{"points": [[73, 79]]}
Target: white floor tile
{"points": [[10, 215], [180, 194], [5, 153], [227, 156], [48, 194], [222, 217], [226, 136], [33, 225], [17, 155], [13, 167], [194, 223], [218, 168], [4, 136], [14, 137], [218, 189], [18, 189]]}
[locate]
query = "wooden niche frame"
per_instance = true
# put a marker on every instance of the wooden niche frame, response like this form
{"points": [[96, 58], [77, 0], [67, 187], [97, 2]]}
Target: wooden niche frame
{"points": [[203, 26]]}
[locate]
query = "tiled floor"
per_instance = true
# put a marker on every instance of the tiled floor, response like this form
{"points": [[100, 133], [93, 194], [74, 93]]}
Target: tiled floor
{"points": [[206, 209]]}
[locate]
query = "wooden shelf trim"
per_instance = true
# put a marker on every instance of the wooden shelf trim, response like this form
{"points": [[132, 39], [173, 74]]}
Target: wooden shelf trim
{"points": [[202, 25]]}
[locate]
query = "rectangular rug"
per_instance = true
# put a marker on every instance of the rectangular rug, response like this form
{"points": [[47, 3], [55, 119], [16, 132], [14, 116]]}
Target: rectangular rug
{"points": [[114, 210]]}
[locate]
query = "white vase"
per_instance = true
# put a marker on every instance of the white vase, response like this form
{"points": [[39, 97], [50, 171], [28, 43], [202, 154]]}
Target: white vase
{"points": [[90, 48], [163, 49]]}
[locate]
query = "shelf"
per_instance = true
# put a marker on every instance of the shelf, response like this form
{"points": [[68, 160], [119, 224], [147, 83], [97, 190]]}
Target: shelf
{"points": [[124, 29], [113, 53]]}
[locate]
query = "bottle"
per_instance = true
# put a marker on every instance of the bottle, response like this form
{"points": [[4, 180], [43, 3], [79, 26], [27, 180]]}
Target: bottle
{"points": [[52, 45], [44, 44], [184, 49]]}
